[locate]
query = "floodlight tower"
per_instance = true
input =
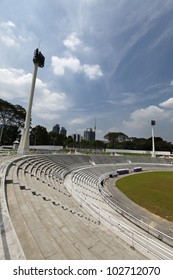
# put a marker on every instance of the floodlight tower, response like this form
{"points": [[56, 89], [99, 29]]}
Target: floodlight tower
{"points": [[38, 61], [153, 144]]}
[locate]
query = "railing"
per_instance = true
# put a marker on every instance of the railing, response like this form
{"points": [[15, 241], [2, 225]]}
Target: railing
{"points": [[136, 238], [120, 208]]}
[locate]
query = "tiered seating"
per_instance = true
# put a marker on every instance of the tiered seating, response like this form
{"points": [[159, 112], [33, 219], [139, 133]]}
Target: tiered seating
{"points": [[46, 216], [49, 223]]}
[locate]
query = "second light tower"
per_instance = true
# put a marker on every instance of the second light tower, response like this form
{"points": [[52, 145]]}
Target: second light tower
{"points": [[153, 123]]}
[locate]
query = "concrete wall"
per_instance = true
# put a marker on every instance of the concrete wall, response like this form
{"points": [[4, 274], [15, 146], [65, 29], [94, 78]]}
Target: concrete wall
{"points": [[164, 153]]}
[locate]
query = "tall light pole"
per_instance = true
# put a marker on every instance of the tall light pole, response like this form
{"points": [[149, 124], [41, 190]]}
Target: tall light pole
{"points": [[38, 61], [153, 144]]}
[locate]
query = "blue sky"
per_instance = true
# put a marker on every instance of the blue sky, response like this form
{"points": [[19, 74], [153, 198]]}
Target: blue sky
{"points": [[106, 59]]}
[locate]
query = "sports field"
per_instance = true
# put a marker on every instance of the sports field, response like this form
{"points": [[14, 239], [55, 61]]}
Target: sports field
{"points": [[151, 190]]}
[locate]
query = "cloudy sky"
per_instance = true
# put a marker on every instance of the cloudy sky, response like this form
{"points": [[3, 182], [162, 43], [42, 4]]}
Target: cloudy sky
{"points": [[106, 59]]}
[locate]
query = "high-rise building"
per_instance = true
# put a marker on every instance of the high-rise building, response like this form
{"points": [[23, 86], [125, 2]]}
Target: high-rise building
{"points": [[56, 128], [76, 137], [89, 134], [63, 131]]}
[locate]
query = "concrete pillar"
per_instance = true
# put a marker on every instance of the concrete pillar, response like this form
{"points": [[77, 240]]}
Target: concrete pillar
{"points": [[24, 142], [38, 61]]}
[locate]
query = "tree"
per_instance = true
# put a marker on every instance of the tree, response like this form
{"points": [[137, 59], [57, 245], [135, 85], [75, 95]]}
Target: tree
{"points": [[84, 144], [9, 134], [11, 114], [161, 145], [69, 142], [115, 138], [56, 139], [12, 119], [97, 144], [39, 136]]}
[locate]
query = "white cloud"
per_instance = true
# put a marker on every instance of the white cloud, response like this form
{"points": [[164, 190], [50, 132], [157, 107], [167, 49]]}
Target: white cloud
{"points": [[147, 113], [7, 34], [58, 67], [92, 71], [7, 25], [77, 121], [126, 98], [129, 98], [72, 42], [46, 100], [73, 64], [60, 64], [167, 104], [16, 84], [12, 36], [9, 42], [140, 119], [47, 104]]}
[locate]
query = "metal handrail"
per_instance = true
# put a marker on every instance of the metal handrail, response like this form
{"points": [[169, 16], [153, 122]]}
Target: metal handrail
{"points": [[134, 237], [148, 228]]}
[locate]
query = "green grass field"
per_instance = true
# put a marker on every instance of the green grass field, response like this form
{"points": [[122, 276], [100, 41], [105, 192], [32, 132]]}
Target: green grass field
{"points": [[151, 190]]}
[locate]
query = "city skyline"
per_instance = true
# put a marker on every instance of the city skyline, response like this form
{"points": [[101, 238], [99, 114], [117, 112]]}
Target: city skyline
{"points": [[111, 62], [88, 134]]}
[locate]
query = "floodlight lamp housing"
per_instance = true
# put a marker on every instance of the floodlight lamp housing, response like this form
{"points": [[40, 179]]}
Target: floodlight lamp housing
{"points": [[38, 58], [153, 122]]}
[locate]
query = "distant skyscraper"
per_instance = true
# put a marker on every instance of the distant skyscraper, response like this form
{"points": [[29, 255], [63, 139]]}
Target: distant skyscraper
{"points": [[56, 128], [89, 134], [76, 137], [63, 131]]}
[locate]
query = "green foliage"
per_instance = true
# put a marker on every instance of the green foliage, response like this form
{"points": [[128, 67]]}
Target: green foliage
{"points": [[56, 139], [10, 134], [39, 136], [12, 119], [11, 114], [118, 140]]}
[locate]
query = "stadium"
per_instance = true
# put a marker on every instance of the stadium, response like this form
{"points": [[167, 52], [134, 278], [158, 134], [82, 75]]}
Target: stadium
{"points": [[61, 206]]}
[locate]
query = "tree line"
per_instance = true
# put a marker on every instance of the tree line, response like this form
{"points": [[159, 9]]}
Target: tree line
{"points": [[12, 119]]}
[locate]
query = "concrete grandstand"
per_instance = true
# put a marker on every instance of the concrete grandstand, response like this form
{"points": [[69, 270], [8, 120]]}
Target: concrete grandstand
{"points": [[60, 207]]}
